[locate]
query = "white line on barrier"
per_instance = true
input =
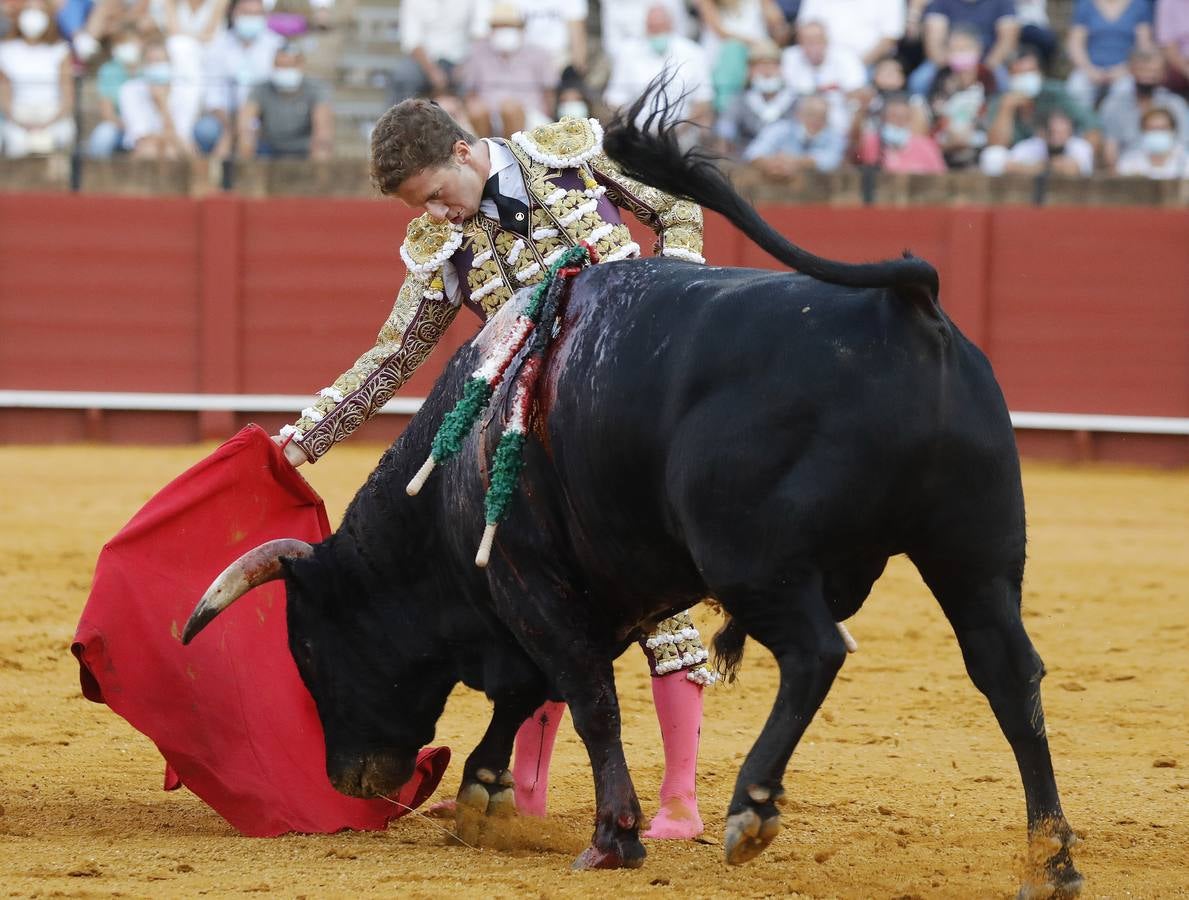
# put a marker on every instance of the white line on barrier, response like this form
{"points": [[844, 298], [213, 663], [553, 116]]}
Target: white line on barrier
{"points": [[291, 403]]}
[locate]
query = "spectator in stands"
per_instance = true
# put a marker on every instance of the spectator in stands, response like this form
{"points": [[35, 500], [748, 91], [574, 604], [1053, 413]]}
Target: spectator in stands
{"points": [[1019, 113], [435, 38], [1161, 152], [816, 66], [1172, 36], [236, 61], [1053, 148], [1035, 30], [806, 143], [36, 87], [766, 100], [1135, 95], [887, 80], [994, 20], [622, 22], [870, 29], [189, 27], [958, 98], [896, 145], [572, 98], [290, 117], [107, 136], [556, 26], [1100, 39], [508, 83], [93, 22], [729, 28], [638, 62], [155, 117], [202, 20]]}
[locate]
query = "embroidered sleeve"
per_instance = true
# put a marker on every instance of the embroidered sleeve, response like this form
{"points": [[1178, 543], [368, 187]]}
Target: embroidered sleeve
{"points": [[421, 315], [677, 223]]}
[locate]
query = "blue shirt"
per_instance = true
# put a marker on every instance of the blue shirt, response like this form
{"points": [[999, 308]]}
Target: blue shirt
{"points": [[1109, 41], [980, 14], [788, 138]]}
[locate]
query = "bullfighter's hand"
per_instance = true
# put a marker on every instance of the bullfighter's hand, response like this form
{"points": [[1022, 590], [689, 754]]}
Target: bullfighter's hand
{"points": [[292, 452]]}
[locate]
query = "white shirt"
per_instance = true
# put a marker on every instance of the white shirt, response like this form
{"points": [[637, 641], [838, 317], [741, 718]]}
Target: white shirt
{"points": [[857, 25], [1035, 150], [637, 64], [35, 73], [840, 73], [191, 21], [444, 29], [234, 68], [141, 118], [744, 19], [623, 21], [1137, 162], [546, 23], [511, 184]]}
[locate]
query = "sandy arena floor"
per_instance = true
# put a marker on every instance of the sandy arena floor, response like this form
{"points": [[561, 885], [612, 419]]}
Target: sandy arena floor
{"points": [[903, 785]]}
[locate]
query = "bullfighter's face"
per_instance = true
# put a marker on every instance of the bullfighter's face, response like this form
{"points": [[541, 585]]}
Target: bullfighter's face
{"points": [[450, 192], [378, 693]]}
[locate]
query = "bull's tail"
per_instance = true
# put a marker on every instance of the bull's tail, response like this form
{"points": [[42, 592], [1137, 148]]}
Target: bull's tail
{"points": [[728, 648], [642, 140]]}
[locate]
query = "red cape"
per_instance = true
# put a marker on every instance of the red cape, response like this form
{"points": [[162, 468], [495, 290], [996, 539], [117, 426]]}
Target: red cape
{"points": [[229, 712]]}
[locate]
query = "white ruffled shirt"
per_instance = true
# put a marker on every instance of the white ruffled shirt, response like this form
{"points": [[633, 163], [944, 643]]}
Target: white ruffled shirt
{"points": [[511, 184]]}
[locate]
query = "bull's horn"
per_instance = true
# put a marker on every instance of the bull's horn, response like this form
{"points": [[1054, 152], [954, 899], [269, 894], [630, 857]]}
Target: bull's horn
{"points": [[254, 568]]}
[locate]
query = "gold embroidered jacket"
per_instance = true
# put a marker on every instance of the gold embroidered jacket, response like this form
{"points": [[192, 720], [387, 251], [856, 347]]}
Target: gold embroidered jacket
{"points": [[574, 194]]}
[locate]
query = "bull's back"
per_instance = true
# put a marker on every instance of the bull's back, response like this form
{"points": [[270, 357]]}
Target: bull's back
{"points": [[685, 392]]}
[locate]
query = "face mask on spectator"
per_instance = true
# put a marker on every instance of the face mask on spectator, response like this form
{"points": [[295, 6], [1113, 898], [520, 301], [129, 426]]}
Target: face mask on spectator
{"points": [[963, 60], [287, 79], [1026, 83], [1157, 143], [33, 23], [1144, 90], [894, 135], [249, 27], [505, 40], [127, 54], [659, 44], [158, 73], [767, 84], [576, 108]]}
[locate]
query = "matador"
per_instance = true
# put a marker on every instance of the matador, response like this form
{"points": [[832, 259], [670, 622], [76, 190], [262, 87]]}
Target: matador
{"points": [[497, 215]]}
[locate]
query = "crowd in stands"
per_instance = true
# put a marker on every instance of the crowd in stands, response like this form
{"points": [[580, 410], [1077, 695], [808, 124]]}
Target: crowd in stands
{"points": [[913, 86]]}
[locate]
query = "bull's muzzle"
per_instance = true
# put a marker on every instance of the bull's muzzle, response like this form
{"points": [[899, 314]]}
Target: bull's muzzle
{"points": [[372, 775]]}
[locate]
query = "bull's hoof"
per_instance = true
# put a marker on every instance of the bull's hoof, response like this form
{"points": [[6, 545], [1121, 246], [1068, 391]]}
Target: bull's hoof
{"points": [[627, 855], [488, 794], [487, 797], [747, 835]]}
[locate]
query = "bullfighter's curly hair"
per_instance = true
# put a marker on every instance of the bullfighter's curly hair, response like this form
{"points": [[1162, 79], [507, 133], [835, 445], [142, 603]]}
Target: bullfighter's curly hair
{"points": [[412, 136]]}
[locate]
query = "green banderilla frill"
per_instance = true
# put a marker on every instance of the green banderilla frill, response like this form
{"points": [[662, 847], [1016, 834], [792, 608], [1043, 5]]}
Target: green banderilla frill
{"points": [[459, 421], [477, 392], [505, 473]]}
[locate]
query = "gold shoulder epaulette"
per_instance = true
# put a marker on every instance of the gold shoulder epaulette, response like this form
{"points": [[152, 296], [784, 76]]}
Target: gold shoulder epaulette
{"points": [[428, 244], [562, 145]]}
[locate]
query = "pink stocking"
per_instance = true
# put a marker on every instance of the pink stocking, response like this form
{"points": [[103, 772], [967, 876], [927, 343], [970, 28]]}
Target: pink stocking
{"points": [[679, 713], [534, 748]]}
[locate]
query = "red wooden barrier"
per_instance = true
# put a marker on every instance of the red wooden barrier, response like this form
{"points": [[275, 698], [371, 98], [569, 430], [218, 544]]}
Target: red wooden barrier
{"points": [[1080, 310]]}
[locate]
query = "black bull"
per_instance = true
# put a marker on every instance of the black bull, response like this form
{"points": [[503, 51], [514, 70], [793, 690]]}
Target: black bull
{"points": [[761, 438]]}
